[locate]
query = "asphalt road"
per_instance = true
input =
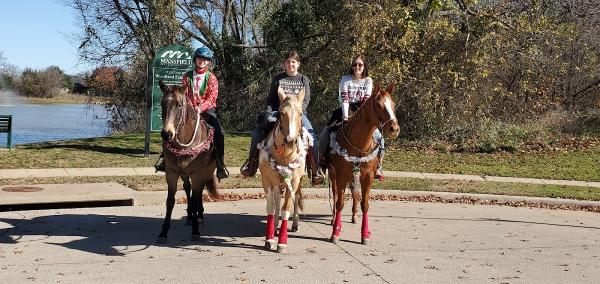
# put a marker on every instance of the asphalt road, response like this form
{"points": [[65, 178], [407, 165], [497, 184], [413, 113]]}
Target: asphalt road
{"points": [[412, 242]]}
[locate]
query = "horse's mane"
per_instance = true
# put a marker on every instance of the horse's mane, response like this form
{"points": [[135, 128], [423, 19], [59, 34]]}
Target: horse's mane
{"points": [[360, 112]]}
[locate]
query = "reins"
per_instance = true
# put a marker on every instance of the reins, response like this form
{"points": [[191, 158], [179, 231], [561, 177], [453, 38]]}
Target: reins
{"points": [[181, 122], [356, 117]]}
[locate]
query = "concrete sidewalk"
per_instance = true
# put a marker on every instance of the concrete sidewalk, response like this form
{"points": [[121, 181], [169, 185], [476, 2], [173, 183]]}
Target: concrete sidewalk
{"points": [[144, 171], [412, 243]]}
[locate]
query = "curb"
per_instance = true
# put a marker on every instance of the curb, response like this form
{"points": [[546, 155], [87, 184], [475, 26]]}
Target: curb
{"points": [[159, 197]]}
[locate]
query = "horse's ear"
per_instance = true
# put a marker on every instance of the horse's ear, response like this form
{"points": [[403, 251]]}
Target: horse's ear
{"points": [[390, 89], [163, 87], [376, 90], [281, 94], [301, 95]]}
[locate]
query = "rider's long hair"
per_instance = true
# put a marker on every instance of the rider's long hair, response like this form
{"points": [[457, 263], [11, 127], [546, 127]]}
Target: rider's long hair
{"points": [[365, 72]]}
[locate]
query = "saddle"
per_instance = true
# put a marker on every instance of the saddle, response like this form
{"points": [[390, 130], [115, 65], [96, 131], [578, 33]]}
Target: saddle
{"points": [[267, 121]]}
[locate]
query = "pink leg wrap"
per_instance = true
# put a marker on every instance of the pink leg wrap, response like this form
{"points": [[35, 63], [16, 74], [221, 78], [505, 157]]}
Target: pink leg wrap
{"points": [[283, 233], [337, 225], [364, 230], [270, 227]]}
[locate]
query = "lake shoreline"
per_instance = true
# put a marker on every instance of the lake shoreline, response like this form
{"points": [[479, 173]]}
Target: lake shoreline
{"points": [[35, 123]]}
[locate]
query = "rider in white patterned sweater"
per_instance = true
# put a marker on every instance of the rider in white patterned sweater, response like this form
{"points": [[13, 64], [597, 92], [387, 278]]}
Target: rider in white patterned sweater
{"points": [[354, 89]]}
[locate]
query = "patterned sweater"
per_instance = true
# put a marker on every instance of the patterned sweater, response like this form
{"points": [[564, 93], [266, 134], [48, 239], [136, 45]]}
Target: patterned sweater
{"points": [[201, 101], [353, 91], [290, 85]]}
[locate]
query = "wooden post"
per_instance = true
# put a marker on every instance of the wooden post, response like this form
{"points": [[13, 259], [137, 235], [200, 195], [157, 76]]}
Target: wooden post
{"points": [[148, 108]]}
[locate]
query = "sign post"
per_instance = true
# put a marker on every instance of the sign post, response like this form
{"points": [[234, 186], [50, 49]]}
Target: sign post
{"points": [[169, 65]]}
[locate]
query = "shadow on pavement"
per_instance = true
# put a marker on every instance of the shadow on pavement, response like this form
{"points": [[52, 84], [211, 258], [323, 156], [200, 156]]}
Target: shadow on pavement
{"points": [[106, 234]]}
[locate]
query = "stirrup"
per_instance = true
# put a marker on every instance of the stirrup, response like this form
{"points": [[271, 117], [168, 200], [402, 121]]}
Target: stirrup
{"points": [[379, 174], [317, 177], [222, 173], [160, 166], [245, 168]]}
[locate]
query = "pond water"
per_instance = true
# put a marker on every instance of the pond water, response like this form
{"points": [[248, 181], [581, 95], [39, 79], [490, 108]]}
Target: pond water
{"points": [[34, 123]]}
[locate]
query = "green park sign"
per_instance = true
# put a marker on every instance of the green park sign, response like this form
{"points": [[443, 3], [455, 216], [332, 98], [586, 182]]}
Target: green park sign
{"points": [[169, 65]]}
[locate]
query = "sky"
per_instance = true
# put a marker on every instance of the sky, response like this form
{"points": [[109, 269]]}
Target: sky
{"points": [[38, 34]]}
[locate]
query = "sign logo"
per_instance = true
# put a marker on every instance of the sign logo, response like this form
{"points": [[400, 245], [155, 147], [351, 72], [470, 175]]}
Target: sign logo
{"points": [[177, 54], [169, 65]]}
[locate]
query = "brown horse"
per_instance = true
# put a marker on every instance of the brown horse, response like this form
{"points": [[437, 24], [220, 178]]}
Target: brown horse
{"points": [[354, 156], [282, 161], [188, 151]]}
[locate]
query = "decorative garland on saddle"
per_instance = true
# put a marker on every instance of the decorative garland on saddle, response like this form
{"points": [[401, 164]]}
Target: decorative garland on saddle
{"points": [[194, 151], [304, 141], [337, 149]]}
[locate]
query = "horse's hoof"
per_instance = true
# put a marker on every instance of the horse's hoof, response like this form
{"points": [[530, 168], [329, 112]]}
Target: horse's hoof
{"points": [[282, 248], [365, 241], [195, 237], [294, 229], [161, 240], [270, 245], [335, 239]]}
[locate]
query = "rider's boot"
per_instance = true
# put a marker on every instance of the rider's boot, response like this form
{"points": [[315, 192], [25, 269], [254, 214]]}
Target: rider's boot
{"points": [[379, 171], [251, 165], [316, 174], [222, 171], [160, 164]]}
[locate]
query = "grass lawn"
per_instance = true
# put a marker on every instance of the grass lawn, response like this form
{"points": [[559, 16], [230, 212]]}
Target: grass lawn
{"points": [[127, 151]]}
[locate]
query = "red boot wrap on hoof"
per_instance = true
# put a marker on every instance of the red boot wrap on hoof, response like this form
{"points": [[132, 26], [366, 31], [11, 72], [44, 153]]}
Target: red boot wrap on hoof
{"points": [[337, 225], [283, 233], [270, 227], [364, 230]]}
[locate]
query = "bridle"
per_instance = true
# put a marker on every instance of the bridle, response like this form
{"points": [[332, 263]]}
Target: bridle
{"points": [[181, 122], [381, 125]]}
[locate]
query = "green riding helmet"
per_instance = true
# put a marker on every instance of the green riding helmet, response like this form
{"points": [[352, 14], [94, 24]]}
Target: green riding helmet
{"points": [[203, 52]]}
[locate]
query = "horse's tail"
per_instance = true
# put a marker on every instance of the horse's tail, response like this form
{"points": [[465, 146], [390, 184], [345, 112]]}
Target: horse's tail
{"points": [[213, 187]]}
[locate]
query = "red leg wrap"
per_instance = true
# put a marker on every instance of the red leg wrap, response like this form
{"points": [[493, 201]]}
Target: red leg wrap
{"points": [[364, 230], [270, 227], [283, 232], [337, 225]]}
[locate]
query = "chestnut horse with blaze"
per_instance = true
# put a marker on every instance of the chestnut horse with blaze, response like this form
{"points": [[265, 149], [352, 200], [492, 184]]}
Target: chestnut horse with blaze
{"points": [[354, 155]]}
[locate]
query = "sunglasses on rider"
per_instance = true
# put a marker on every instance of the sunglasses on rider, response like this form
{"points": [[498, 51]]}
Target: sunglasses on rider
{"points": [[355, 64]]}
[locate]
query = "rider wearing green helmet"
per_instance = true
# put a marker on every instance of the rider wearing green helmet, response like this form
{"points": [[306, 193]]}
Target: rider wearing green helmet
{"points": [[201, 89]]}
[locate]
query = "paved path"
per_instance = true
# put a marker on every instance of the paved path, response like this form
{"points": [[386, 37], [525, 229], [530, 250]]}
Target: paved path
{"points": [[412, 243], [67, 172]]}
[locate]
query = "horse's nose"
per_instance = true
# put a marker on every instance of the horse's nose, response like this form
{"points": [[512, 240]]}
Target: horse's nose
{"points": [[166, 135], [394, 130]]}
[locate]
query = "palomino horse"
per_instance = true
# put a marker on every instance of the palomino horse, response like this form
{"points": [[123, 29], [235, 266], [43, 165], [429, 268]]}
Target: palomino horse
{"points": [[282, 160], [188, 151], [354, 156]]}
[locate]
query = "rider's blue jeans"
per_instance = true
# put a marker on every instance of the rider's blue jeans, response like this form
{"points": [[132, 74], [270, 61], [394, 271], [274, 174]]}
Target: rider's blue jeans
{"points": [[259, 132]]}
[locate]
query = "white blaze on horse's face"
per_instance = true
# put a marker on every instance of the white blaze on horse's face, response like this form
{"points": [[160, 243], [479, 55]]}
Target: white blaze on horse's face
{"points": [[290, 112], [390, 109], [291, 135]]}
